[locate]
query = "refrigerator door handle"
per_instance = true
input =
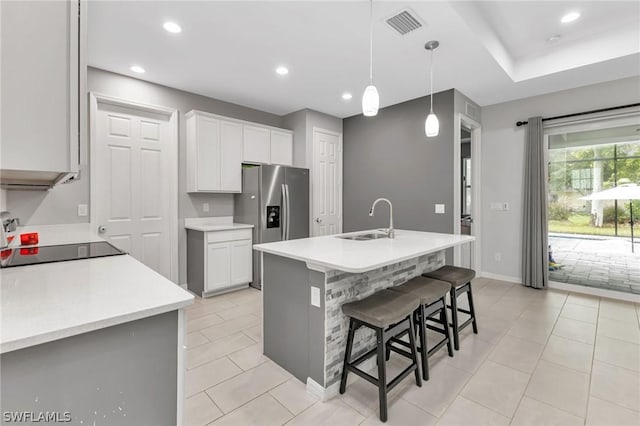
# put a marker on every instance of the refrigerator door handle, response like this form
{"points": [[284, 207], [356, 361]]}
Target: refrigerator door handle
{"points": [[283, 219], [288, 218]]}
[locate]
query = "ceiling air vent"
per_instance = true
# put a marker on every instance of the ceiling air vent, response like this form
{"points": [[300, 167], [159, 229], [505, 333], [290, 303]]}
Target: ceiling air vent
{"points": [[404, 22]]}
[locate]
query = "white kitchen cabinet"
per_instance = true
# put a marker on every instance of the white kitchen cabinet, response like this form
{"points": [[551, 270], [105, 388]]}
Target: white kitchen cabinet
{"points": [[214, 154], [219, 261], [257, 146], [43, 80], [281, 147]]}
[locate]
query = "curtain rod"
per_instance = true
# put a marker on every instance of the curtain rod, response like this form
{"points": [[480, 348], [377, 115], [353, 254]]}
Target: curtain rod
{"points": [[522, 123]]}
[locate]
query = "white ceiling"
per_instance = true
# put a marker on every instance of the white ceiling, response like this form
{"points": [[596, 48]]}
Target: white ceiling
{"points": [[490, 51]]}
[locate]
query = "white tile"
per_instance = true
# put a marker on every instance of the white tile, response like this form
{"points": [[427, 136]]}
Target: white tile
{"points": [[207, 307], [583, 300], [294, 396], [402, 413], [517, 353], [618, 310], [569, 353], [579, 331], [249, 357], [491, 329], [209, 374], [618, 352], [621, 330], [200, 410], [246, 386], [217, 349], [534, 331], [203, 322], [262, 411], [497, 387], [580, 313], [603, 413], [534, 413], [560, 387], [473, 351], [616, 384], [195, 339], [240, 311], [436, 394], [331, 413], [255, 333], [464, 412], [230, 327]]}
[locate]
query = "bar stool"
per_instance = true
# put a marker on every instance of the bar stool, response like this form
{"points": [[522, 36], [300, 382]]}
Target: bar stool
{"points": [[433, 301], [460, 280], [389, 314]]}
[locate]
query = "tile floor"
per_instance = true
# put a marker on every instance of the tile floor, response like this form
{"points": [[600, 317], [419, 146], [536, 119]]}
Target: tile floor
{"points": [[541, 358]]}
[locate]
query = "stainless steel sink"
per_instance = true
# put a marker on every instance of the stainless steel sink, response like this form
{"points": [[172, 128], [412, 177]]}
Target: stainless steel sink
{"points": [[363, 237]]}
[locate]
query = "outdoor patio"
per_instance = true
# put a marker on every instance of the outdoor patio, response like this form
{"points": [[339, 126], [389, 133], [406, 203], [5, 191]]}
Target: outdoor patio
{"points": [[595, 261]]}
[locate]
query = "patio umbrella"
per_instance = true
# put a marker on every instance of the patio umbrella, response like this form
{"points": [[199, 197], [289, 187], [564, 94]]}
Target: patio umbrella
{"points": [[629, 192]]}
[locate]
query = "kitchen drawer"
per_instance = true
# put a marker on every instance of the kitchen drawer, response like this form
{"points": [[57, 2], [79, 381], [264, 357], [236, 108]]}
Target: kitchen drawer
{"points": [[220, 236]]}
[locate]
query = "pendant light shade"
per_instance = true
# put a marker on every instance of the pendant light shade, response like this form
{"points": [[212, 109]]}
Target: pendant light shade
{"points": [[431, 124], [370, 101], [370, 97]]}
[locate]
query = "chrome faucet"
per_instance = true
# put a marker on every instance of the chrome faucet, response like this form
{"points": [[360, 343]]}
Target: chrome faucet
{"points": [[390, 232]]}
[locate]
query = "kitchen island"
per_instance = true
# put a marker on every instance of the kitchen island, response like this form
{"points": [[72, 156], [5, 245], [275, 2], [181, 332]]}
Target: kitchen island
{"points": [[306, 281], [99, 339]]}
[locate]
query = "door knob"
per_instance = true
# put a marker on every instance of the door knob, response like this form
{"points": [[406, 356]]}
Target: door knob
{"points": [[318, 220], [102, 229]]}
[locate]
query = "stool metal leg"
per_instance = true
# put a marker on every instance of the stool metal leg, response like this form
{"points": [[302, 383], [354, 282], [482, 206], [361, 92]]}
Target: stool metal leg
{"points": [[472, 310], [445, 322], [347, 356], [454, 318], [424, 350], [382, 374], [414, 352]]}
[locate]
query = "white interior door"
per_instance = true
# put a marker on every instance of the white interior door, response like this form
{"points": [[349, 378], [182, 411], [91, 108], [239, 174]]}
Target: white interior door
{"points": [[326, 183], [133, 174]]}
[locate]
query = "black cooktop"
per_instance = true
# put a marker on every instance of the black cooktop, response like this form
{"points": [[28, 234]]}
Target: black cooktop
{"points": [[21, 256]]}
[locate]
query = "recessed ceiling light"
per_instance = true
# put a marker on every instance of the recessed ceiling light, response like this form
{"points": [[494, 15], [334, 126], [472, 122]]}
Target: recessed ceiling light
{"points": [[570, 17], [346, 96], [554, 38], [282, 70], [137, 69], [172, 27]]}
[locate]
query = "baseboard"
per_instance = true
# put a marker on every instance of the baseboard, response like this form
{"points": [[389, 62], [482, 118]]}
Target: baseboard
{"points": [[600, 292], [325, 394], [183, 285], [499, 277]]}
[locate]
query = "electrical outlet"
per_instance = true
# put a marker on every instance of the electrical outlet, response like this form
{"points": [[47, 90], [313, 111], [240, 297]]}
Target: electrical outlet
{"points": [[205, 207], [505, 207], [315, 296], [83, 210], [498, 257], [440, 208]]}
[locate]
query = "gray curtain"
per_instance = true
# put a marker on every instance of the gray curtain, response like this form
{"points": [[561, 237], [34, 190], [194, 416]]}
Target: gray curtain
{"points": [[535, 260]]}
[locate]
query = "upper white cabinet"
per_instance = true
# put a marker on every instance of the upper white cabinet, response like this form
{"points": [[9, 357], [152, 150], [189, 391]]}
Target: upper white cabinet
{"points": [[256, 144], [281, 147], [43, 80], [214, 154]]}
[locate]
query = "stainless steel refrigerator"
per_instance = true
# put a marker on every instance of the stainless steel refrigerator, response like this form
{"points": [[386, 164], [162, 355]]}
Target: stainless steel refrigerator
{"points": [[275, 200]]}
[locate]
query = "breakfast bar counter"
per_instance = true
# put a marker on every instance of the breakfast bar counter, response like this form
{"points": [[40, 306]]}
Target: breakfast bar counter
{"points": [[306, 281]]}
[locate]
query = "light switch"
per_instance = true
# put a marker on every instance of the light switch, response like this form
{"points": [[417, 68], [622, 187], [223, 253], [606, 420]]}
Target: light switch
{"points": [[315, 296], [440, 208], [505, 206], [83, 210]]}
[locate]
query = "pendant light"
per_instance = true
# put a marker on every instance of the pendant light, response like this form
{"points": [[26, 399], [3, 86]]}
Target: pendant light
{"points": [[370, 98], [431, 124]]}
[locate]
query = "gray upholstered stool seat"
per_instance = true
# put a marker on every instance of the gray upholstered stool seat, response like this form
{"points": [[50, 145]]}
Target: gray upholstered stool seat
{"points": [[460, 280], [429, 290], [382, 309], [390, 315], [454, 275], [432, 315]]}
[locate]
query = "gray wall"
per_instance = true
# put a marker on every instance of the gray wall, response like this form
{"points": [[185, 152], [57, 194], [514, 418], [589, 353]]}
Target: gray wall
{"points": [[503, 157], [390, 156]]}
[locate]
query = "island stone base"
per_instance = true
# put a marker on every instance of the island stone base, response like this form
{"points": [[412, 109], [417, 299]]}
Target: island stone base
{"points": [[310, 341]]}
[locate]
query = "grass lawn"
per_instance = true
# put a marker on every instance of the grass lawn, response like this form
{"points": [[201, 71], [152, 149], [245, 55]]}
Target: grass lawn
{"points": [[579, 224]]}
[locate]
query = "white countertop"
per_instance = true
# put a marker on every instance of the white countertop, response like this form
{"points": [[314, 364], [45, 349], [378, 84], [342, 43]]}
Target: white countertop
{"points": [[330, 252], [46, 302], [212, 224]]}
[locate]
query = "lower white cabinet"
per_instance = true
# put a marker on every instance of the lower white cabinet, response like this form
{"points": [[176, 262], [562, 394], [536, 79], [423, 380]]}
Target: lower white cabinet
{"points": [[218, 261]]}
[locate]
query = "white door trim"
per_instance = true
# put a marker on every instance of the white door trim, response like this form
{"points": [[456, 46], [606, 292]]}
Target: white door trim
{"points": [[339, 183], [476, 164], [172, 117]]}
